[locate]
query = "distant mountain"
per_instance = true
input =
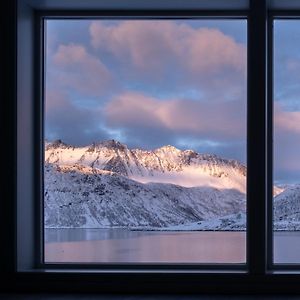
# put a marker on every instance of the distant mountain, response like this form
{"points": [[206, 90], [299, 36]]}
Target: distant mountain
{"points": [[287, 209], [108, 185], [164, 165]]}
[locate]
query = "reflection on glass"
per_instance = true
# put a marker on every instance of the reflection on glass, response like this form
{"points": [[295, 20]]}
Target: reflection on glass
{"points": [[287, 142], [145, 127]]}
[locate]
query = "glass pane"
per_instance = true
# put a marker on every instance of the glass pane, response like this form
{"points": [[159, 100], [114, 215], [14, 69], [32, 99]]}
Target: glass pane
{"points": [[145, 150], [286, 141]]}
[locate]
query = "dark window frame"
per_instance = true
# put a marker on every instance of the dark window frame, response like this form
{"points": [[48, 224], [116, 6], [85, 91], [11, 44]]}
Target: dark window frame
{"points": [[273, 16], [21, 116], [143, 15]]}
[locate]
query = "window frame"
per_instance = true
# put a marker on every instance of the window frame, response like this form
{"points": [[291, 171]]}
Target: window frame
{"points": [[273, 16], [21, 211], [129, 15]]}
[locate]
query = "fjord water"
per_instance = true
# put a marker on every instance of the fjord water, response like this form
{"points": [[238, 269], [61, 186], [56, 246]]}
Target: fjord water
{"points": [[125, 246]]}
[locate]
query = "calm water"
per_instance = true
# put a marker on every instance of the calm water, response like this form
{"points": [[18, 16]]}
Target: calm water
{"points": [[120, 245], [287, 247]]}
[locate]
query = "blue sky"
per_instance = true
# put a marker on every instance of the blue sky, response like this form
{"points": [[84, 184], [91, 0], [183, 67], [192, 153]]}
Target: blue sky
{"points": [[152, 83]]}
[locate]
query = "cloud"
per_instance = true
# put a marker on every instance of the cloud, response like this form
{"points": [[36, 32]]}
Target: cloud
{"points": [[286, 76], [286, 141], [217, 128], [286, 155], [170, 52], [179, 116], [206, 127], [286, 104], [73, 125], [147, 43], [287, 121], [74, 68]]}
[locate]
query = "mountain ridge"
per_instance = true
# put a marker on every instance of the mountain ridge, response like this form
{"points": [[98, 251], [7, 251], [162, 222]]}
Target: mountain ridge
{"points": [[165, 164], [106, 185]]}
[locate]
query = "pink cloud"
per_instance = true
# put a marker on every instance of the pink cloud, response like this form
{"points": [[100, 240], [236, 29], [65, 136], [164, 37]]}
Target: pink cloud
{"points": [[288, 121], [286, 139], [222, 120], [143, 43], [151, 45], [77, 69], [210, 50]]}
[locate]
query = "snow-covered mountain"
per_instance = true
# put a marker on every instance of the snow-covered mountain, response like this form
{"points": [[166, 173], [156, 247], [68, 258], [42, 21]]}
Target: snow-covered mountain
{"points": [[80, 196], [108, 185], [164, 165], [287, 209]]}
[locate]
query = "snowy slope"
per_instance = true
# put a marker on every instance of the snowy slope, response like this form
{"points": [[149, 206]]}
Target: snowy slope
{"points": [[81, 196], [234, 222], [287, 209]]}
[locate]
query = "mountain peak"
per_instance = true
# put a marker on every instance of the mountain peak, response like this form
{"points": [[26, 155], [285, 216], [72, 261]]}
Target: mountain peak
{"points": [[168, 148], [56, 144], [113, 144]]}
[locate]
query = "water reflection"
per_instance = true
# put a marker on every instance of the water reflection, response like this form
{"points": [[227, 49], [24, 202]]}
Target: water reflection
{"points": [[119, 245], [81, 234]]}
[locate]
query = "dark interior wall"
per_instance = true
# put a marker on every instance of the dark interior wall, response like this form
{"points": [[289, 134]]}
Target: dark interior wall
{"points": [[8, 136], [78, 5], [17, 222], [17, 129], [25, 137]]}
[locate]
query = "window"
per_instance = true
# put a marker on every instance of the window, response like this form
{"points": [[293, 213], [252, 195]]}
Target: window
{"points": [[21, 214], [286, 141], [145, 152]]}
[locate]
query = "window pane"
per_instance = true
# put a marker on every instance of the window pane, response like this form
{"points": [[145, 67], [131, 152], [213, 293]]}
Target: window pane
{"points": [[145, 151], [286, 141]]}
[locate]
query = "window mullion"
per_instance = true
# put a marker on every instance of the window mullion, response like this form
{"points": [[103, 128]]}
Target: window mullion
{"points": [[256, 177]]}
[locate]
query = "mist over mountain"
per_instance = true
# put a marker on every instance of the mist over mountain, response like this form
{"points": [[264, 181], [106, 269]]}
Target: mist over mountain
{"points": [[164, 165]]}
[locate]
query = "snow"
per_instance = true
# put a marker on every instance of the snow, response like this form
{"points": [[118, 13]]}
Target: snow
{"points": [[81, 196], [165, 165], [287, 209], [106, 185], [235, 222]]}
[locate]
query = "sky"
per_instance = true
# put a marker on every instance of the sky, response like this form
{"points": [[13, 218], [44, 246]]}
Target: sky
{"points": [[287, 101], [149, 83]]}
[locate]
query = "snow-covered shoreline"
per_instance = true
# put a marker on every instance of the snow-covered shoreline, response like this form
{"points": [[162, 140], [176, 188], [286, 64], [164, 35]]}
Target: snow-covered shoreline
{"points": [[229, 223]]}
